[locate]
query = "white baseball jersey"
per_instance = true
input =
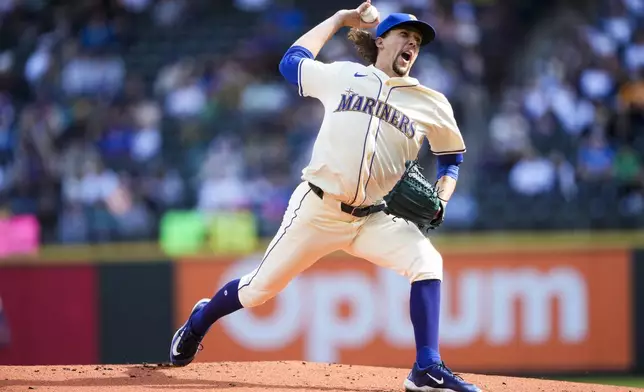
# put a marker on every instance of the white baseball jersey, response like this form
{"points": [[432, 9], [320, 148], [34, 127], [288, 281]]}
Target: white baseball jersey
{"points": [[372, 125]]}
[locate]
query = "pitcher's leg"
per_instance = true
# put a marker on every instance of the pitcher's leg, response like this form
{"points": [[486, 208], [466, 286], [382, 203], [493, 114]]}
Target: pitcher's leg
{"points": [[298, 244], [400, 246], [247, 291], [294, 249], [289, 253]]}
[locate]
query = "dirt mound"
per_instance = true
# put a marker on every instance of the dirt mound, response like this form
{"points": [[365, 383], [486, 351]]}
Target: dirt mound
{"points": [[248, 377]]}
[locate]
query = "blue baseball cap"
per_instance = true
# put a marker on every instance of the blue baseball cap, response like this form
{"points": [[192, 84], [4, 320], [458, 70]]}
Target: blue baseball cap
{"points": [[400, 19]]}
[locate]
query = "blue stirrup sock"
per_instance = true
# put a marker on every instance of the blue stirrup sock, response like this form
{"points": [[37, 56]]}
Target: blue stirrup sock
{"points": [[225, 302], [424, 309]]}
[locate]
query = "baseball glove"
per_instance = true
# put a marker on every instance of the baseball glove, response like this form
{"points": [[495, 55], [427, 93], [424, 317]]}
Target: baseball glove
{"points": [[415, 199]]}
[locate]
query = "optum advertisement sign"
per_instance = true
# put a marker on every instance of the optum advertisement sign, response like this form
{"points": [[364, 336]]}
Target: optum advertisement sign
{"points": [[503, 311]]}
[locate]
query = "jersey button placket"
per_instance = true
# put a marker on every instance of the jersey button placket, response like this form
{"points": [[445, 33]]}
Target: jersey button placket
{"points": [[371, 151], [371, 147]]}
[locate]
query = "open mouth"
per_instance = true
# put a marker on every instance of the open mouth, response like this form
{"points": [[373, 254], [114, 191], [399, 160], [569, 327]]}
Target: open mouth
{"points": [[406, 56]]}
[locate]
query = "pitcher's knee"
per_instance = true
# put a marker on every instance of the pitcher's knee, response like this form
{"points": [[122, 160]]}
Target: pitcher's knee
{"points": [[250, 296], [260, 285], [426, 268], [254, 293]]}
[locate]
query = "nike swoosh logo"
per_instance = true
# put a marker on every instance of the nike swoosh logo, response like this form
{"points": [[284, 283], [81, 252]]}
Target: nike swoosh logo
{"points": [[439, 382], [357, 75], [175, 346]]}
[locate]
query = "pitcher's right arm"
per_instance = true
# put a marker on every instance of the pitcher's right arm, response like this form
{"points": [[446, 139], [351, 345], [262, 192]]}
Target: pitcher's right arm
{"points": [[311, 81]]}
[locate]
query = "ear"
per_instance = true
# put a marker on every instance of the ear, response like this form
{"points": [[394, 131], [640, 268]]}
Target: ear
{"points": [[380, 43]]}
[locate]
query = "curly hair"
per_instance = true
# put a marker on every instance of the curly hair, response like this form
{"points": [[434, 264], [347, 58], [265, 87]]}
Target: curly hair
{"points": [[364, 43]]}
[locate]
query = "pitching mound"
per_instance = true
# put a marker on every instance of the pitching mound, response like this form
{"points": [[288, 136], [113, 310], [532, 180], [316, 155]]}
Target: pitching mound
{"points": [[248, 377]]}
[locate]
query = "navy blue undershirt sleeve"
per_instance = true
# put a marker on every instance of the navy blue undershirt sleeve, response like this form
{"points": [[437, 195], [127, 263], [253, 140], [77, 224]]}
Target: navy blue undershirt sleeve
{"points": [[290, 62], [448, 165]]}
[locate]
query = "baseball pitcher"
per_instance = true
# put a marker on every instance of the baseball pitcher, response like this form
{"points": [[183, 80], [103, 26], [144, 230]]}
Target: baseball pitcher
{"points": [[362, 191]]}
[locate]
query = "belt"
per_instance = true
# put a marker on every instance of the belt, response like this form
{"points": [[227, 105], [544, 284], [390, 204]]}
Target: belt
{"points": [[355, 211]]}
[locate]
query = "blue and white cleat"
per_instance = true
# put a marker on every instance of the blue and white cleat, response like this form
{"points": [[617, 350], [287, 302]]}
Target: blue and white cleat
{"points": [[436, 378], [185, 343]]}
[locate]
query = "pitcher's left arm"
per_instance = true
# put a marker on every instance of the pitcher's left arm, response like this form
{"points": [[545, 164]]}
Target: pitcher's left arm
{"points": [[414, 197], [446, 143], [447, 174]]}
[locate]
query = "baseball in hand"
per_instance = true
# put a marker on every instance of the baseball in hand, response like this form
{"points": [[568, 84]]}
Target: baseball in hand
{"points": [[369, 15]]}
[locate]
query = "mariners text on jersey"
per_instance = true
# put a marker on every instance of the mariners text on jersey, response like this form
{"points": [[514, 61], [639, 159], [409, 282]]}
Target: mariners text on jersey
{"points": [[379, 109]]}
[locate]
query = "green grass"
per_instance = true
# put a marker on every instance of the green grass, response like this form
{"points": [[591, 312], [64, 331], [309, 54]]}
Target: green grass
{"points": [[625, 381]]}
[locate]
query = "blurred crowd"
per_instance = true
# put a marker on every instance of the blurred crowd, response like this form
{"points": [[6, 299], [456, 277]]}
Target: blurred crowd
{"points": [[115, 111], [572, 124]]}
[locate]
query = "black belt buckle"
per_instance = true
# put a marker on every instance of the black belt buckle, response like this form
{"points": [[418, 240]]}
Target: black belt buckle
{"points": [[359, 212]]}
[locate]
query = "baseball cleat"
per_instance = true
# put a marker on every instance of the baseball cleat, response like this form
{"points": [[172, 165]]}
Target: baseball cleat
{"points": [[436, 378], [185, 343]]}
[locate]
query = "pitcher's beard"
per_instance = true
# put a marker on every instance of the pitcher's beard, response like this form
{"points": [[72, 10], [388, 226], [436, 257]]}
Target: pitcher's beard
{"points": [[396, 68], [399, 70]]}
